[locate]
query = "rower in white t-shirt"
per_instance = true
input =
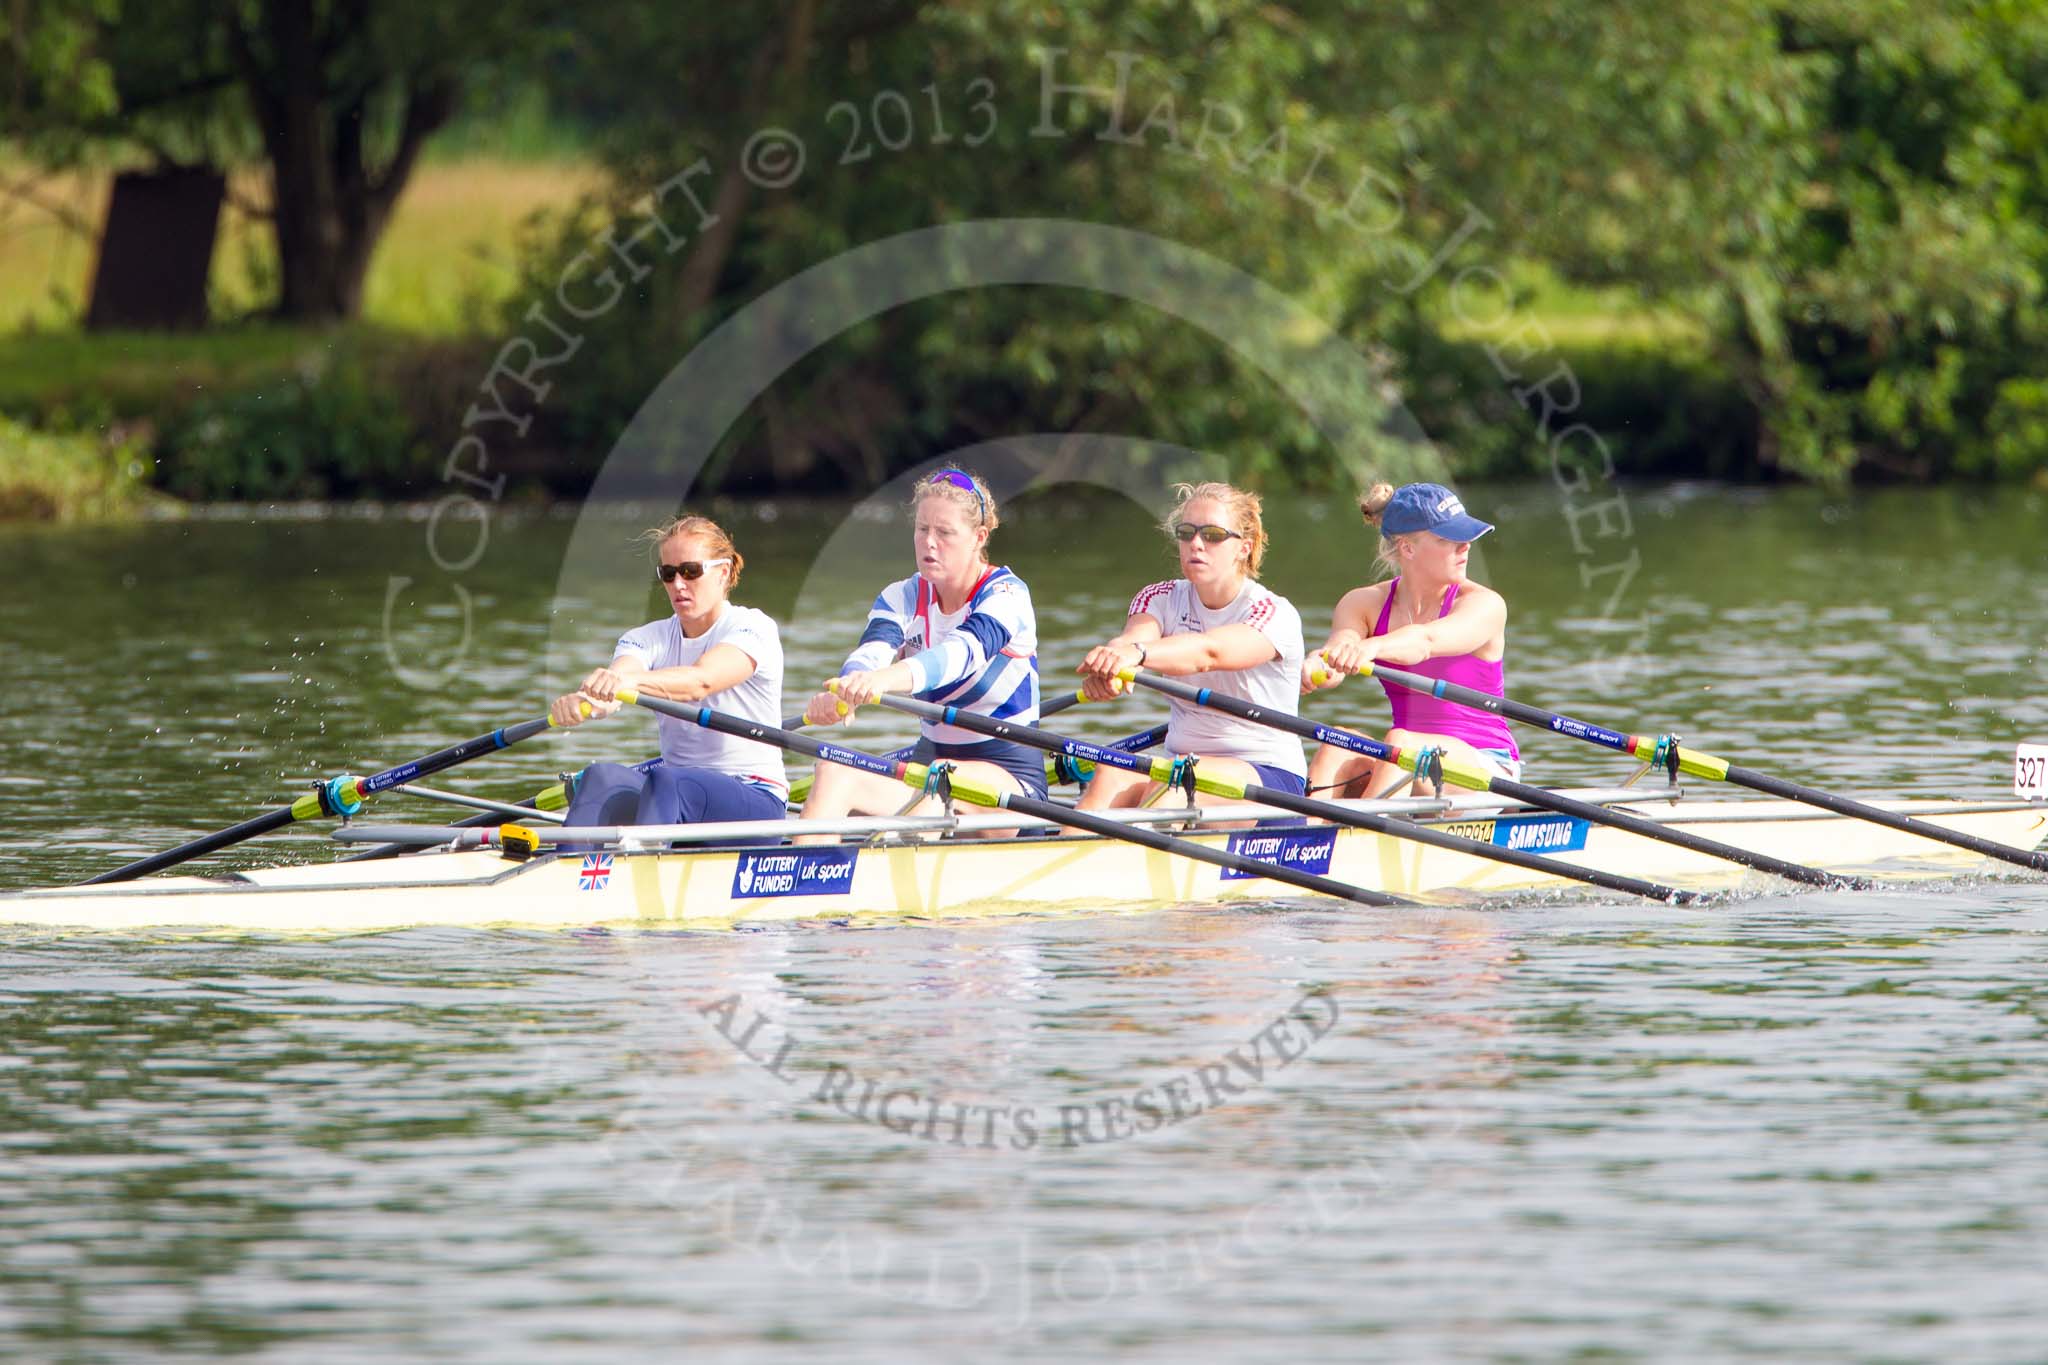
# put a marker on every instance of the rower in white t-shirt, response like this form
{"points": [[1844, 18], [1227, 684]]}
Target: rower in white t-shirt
{"points": [[709, 650], [1217, 627]]}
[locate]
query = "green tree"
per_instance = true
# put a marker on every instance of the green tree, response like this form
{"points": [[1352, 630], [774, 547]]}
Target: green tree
{"points": [[337, 97], [1848, 192], [961, 90]]}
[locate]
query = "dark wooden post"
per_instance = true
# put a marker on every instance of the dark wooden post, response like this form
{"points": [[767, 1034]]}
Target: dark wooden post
{"points": [[156, 249]]}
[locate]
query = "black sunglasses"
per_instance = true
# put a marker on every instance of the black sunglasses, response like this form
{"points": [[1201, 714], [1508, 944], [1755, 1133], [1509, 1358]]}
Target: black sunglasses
{"points": [[690, 569], [1211, 535]]}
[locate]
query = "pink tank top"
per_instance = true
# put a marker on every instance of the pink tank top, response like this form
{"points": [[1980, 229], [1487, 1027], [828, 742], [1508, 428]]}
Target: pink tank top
{"points": [[1426, 715]]}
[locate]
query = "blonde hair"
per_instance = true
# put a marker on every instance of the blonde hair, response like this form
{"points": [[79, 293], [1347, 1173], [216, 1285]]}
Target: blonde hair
{"points": [[1371, 503], [700, 528], [980, 504], [1240, 507]]}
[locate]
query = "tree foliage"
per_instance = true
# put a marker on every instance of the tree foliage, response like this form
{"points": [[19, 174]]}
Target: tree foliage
{"points": [[1847, 194], [337, 97]]}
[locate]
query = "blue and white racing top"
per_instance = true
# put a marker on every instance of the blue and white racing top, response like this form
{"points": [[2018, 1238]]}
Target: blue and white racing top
{"points": [[982, 658]]}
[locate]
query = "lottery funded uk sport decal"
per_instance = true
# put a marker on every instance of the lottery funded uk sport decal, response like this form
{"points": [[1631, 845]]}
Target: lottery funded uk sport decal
{"points": [[1303, 850], [794, 872]]}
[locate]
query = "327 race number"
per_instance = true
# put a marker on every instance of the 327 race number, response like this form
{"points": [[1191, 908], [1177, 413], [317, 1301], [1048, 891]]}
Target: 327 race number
{"points": [[2030, 771]]}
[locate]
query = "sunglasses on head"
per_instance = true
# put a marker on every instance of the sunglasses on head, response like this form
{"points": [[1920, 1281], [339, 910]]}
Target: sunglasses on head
{"points": [[960, 478], [1211, 535], [690, 569]]}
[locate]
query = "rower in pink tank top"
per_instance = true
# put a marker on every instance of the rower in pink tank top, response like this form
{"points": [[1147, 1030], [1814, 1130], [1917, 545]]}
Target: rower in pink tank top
{"points": [[1449, 622], [1432, 716]]}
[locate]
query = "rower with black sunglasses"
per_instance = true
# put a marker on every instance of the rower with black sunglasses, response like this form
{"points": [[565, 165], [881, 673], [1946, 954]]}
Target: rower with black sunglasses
{"points": [[960, 632], [710, 650], [1217, 627]]}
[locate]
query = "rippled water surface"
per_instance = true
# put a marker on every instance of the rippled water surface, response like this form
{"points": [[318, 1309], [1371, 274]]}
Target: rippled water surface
{"points": [[1791, 1126]]}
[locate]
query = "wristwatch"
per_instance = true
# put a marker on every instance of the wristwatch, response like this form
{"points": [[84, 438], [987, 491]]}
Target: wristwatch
{"points": [[1139, 645]]}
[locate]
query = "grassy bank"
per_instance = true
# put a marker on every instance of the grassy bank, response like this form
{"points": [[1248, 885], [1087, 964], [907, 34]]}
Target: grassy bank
{"points": [[70, 478], [71, 379], [254, 409], [447, 256]]}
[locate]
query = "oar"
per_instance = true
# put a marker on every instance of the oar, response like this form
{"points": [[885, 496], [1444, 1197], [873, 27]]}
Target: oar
{"points": [[1161, 770], [1144, 739], [915, 774], [1478, 779], [1668, 749], [551, 798], [342, 795]]}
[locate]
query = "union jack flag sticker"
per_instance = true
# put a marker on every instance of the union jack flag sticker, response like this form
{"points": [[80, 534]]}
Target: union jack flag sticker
{"points": [[596, 873]]}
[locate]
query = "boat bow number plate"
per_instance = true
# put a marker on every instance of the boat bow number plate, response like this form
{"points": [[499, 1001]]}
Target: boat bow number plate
{"points": [[2030, 771], [1526, 833]]}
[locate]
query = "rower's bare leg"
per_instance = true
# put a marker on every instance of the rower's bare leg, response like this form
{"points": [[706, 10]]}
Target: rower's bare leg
{"points": [[1339, 774], [1116, 789], [838, 791]]}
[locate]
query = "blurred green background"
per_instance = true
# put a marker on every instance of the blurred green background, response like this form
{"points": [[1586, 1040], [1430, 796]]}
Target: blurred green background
{"points": [[1746, 241]]}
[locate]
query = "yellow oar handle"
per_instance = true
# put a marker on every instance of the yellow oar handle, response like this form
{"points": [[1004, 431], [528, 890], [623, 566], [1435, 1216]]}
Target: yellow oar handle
{"points": [[965, 788], [1117, 687], [832, 686], [1320, 672]]}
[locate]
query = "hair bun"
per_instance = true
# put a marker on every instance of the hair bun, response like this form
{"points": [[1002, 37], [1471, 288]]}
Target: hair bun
{"points": [[1374, 501]]}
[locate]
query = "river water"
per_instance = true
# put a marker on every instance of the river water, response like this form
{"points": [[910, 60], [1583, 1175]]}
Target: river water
{"points": [[1791, 1126]]}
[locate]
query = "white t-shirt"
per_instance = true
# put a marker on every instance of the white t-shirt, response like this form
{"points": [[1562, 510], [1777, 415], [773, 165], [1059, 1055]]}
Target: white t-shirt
{"points": [[1274, 685], [662, 644]]}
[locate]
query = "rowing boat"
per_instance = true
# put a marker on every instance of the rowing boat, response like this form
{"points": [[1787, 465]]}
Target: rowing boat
{"points": [[929, 868]]}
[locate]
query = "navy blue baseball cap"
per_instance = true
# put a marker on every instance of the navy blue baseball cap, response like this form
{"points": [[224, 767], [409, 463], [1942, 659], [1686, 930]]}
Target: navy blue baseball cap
{"points": [[1429, 507]]}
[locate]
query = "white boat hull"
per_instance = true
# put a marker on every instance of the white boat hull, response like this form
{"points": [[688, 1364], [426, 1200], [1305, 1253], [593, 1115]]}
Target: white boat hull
{"points": [[961, 878]]}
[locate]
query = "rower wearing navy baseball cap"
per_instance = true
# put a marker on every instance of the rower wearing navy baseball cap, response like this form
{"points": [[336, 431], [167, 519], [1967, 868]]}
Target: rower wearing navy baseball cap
{"points": [[1429, 618]]}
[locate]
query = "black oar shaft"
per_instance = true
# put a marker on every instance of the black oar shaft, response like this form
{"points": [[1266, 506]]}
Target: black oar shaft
{"points": [[197, 848], [1878, 815], [1022, 805], [1187, 848], [307, 808], [1707, 765], [1340, 738], [441, 759], [1302, 805]]}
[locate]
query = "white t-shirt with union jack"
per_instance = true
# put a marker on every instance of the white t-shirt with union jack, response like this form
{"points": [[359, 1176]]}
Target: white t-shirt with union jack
{"points": [[1274, 685]]}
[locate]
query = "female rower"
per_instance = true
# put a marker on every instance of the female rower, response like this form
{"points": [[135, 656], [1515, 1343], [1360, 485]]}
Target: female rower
{"points": [[958, 632], [1429, 619], [710, 650], [1220, 628]]}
